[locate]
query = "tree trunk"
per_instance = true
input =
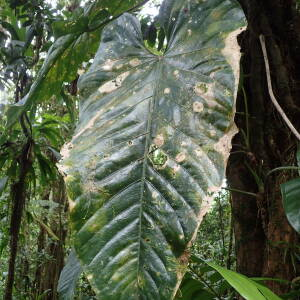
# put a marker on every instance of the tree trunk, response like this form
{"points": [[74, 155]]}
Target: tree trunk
{"points": [[51, 269], [18, 192], [265, 242]]}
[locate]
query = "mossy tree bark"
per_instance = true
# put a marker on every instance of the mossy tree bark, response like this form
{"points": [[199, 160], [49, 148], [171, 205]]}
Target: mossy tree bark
{"points": [[265, 242]]}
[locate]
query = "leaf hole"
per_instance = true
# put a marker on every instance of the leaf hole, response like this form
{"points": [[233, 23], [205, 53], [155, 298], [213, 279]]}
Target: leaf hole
{"points": [[157, 156]]}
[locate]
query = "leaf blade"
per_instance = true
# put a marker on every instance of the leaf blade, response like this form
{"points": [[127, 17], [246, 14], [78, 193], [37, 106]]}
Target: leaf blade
{"points": [[3, 182], [138, 144], [69, 277], [66, 55], [240, 283], [291, 193]]}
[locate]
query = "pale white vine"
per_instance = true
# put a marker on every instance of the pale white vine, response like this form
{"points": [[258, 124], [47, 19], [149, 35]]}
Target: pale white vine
{"points": [[270, 89]]}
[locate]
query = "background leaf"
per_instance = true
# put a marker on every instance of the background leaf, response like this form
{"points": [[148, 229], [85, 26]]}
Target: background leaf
{"points": [[291, 194], [68, 52], [269, 295], [69, 277], [3, 182]]}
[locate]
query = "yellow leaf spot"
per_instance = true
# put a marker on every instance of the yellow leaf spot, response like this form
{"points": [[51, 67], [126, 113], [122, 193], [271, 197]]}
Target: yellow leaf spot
{"points": [[134, 62], [199, 152], [183, 144], [110, 86], [198, 106], [159, 140], [154, 195], [108, 65], [167, 91], [180, 157], [212, 132]]}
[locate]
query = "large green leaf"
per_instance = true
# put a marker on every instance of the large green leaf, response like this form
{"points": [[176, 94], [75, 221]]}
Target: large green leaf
{"points": [[249, 289], [290, 192], [291, 201], [151, 145], [66, 55], [69, 277], [268, 294]]}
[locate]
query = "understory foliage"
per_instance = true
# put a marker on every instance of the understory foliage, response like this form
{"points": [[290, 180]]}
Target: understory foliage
{"points": [[111, 155]]}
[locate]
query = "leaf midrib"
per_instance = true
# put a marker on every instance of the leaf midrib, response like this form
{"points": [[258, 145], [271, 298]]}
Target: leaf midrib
{"points": [[147, 145]]}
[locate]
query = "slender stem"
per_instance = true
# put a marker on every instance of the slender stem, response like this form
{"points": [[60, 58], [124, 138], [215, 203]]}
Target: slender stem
{"points": [[270, 89], [220, 211], [247, 117], [240, 151], [240, 191], [282, 169], [228, 262]]}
